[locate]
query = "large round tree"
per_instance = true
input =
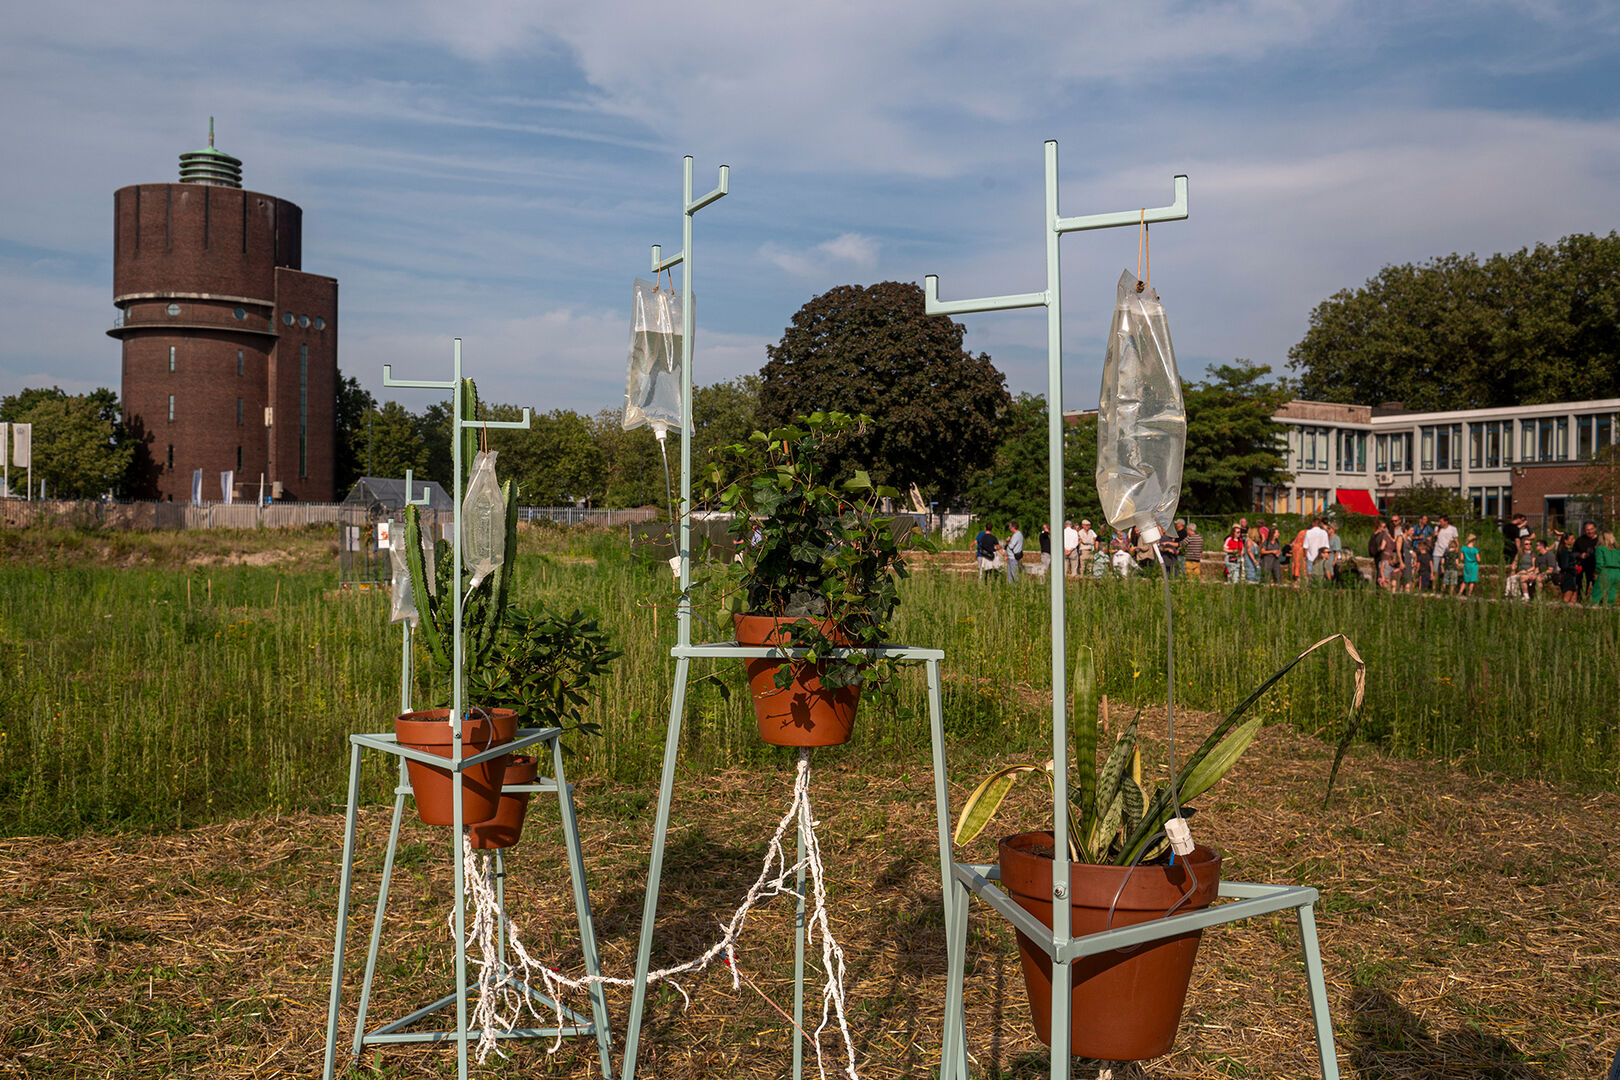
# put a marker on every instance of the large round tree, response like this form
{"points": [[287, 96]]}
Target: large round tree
{"points": [[871, 349]]}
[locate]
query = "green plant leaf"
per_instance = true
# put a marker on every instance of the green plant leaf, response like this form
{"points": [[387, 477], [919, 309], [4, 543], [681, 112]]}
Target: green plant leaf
{"points": [[1219, 761], [986, 799], [1083, 729]]}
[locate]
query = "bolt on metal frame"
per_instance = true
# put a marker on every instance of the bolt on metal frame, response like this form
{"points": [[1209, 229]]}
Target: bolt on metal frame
{"points": [[575, 1023], [963, 880]]}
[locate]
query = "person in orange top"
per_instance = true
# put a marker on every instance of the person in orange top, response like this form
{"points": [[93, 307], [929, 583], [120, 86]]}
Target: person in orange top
{"points": [[1296, 556]]}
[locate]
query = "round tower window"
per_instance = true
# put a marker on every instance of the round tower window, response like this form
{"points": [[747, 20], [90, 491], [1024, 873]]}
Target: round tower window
{"points": [[174, 309], [240, 313], [287, 317], [303, 320], [320, 323]]}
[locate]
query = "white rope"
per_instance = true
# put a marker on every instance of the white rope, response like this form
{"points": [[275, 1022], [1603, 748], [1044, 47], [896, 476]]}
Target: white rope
{"points": [[500, 1003]]}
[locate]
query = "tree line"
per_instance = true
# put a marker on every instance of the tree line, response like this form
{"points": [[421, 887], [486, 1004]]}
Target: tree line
{"points": [[1540, 324], [1537, 325], [564, 458], [942, 424]]}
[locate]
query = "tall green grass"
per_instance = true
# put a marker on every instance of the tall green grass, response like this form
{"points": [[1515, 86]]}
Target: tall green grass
{"points": [[157, 698]]}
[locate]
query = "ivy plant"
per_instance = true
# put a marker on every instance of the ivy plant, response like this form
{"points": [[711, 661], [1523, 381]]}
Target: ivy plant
{"points": [[813, 546]]}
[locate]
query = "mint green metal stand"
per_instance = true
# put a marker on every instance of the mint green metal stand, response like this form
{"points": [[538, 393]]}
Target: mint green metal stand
{"points": [[385, 742], [685, 652], [962, 880]]}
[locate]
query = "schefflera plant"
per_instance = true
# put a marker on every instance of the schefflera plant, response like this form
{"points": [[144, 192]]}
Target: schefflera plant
{"points": [[1113, 818]]}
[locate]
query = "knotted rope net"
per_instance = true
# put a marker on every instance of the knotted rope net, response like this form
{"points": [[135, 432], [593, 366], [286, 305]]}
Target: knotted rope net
{"points": [[503, 992]]}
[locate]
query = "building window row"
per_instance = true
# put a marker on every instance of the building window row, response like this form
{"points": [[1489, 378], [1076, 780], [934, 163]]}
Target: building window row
{"points": [[1311, 500], [1490, 502], [1546, 439], [1393, 453], [1351, 456], [1490, 445], [1441, 446], [1310, 448], [1593, 433], [1277, 499], [288, 319]]}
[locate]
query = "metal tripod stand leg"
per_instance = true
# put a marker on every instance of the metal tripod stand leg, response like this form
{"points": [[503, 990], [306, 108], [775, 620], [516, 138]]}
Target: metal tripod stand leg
{"points": [[953, 897], [382, 904], [345, 884], [582, 908], [1317, 985], [655, 870]]}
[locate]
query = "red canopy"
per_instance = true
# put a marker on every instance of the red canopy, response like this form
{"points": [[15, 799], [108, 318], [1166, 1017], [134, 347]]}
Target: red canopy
{"points": [[1358, 501]]}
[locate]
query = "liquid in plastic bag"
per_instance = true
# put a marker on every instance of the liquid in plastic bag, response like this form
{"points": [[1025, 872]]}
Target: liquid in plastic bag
{"points": [[652, 385], [402, 598], [483, 520], [1141, 420]]}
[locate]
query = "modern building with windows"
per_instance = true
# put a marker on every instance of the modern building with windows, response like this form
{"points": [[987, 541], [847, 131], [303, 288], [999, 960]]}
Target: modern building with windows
{"points": [[1520, 459], [229, 347]]}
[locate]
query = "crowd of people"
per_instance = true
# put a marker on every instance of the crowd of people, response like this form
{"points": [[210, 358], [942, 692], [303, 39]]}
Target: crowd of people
{"points": [[1411, 557], [1580, 567]]}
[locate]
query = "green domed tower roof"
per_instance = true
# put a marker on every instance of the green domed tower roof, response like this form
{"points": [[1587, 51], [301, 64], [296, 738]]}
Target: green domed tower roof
{"points": [[210, 166]]}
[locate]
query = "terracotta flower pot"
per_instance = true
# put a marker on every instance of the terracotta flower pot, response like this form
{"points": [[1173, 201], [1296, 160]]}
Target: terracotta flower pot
{"points": [[1127, 1002], [429, 730], [804, 713], [506, 827]]}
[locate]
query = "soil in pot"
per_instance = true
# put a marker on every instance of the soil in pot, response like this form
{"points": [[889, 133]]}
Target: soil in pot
{"points": [[506, 827], [804, 713], [1127, 1003], [429, 730]]}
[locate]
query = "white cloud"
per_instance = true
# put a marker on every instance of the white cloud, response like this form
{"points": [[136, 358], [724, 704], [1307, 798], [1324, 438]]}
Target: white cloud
{"points": [[56, 331], [560, 358], [498, 170], [847, 251]]}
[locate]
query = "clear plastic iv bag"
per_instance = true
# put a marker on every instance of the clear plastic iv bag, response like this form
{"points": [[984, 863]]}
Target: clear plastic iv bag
{"points": [[483, 520], [402, 598], [652, 382], [1141, 420]]}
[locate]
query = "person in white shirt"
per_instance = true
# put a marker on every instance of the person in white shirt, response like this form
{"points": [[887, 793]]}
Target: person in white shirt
{"points": [[1088, 542], [1316, 546], [1443, 541], [1071, 549]]}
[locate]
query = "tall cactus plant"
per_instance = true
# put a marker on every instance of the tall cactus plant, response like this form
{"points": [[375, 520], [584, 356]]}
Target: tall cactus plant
{"points": [[485, 607]]}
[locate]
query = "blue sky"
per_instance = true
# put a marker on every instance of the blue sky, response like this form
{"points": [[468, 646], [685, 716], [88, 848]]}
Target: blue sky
{"points": [[498, 170]]}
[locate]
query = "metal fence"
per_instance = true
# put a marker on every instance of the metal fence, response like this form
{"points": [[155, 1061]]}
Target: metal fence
{"points": [[581, 515], [17, 513]]}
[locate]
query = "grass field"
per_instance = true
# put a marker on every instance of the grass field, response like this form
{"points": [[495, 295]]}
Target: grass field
{"points": [[172, 681], [1467, 925], [173, 713]]}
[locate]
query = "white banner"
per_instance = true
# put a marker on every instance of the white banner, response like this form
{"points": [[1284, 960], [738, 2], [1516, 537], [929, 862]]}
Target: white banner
{"points": [[227, 485], [22, 445], [196, 487], [4, 429]]}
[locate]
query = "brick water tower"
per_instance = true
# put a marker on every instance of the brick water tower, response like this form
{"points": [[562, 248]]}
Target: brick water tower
{"points": [[230, 349]]}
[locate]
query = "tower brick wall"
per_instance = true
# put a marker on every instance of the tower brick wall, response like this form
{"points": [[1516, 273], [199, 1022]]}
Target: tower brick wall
{"points": [[218, 323]]}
